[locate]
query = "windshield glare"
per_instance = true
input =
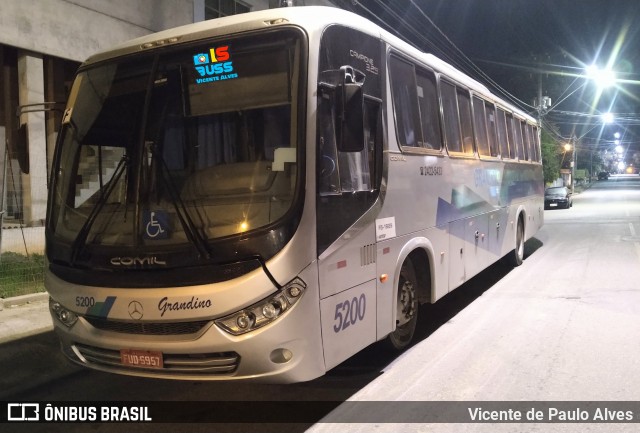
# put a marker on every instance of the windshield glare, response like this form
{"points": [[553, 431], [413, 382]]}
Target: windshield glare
{"points": [[193, 143]]}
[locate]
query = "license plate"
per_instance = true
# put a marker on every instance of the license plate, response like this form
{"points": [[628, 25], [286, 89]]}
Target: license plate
{"points": [[141, 358], [553, 204]]}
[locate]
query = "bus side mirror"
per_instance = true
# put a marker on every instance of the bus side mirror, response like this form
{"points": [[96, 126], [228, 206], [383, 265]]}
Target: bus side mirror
{"points": [[350, 110]]}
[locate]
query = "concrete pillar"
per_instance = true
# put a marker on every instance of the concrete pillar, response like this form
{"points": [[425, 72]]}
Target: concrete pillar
{"points": [[31, 91]]}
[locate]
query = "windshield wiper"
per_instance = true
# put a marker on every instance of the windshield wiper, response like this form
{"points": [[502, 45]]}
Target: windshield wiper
{"points": [[80, 240], [190, 229]]}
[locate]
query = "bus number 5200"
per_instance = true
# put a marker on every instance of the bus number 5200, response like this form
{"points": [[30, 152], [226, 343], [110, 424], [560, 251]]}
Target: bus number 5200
{"points": [[349, 313]]}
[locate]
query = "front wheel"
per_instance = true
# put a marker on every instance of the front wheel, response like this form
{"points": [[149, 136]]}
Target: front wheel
{"points": [[406, 309]]}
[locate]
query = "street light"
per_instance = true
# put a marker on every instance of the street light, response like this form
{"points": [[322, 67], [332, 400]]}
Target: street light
{"points": [[569, 147], [602, 77], [607, 118]]}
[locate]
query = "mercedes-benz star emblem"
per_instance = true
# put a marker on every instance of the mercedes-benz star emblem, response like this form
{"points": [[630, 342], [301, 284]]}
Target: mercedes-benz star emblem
{"points": [[135, 310]]}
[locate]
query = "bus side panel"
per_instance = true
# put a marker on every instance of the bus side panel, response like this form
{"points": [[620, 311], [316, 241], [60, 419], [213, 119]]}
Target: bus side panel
{"points": [[498, 226], [348, 322], [352, 263], [456, 254], [391, 255], [477, 254]]}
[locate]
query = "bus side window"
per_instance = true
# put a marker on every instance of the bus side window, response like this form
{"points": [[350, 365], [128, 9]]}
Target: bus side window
{"points": [[429, 108], [525, 141], [480, 127], [502, 133], [518, 137], [464, 109], [535, 145], [451, 119], [328, 175], [491, 129], [513, 154], [405, 103], [340, 172]]}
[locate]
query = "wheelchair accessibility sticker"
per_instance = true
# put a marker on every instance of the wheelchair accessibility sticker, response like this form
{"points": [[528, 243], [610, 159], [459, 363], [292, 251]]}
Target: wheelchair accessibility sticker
{"points": [[156, 224]]}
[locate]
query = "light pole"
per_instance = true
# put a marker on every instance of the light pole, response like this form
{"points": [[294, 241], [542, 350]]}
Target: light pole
{"points": [[572, 147]]}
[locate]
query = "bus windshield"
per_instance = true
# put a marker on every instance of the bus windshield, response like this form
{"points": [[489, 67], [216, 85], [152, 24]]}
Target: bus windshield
{"points": [[182, 147]]}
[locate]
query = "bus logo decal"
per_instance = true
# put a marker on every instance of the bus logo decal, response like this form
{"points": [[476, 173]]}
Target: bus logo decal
{"points": [[216, 65], [135, 310]]}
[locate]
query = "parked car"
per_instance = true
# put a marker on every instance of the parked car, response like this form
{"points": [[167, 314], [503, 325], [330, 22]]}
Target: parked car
{"points": [[557, 197], [603, 175]]}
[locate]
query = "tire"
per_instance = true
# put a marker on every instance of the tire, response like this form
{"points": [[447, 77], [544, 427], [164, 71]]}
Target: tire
{"points": [[516, 256], [406, 309]]}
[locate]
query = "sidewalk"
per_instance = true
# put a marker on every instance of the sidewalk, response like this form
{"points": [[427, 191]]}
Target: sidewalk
{"points": [[24, 316]]}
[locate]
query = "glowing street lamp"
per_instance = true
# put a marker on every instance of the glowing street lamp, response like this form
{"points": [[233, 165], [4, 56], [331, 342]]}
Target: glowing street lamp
{"points": [[602, 77], [608, 117]]}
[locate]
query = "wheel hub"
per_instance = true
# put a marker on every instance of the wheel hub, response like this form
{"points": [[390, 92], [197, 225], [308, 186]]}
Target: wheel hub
{"points": [[406, 303]]}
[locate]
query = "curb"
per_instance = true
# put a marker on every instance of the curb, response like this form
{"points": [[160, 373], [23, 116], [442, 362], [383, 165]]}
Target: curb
{"points": [[23, 299], [24, 316]]}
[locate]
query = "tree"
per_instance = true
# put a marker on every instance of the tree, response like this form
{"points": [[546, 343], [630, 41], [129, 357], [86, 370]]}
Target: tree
{"points": [[551, 155]]}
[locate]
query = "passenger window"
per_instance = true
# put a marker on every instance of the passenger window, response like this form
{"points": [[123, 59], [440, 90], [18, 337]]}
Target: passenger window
{"points": [[525, 140], [491, 129], [451, 120], [405, 103], [535, 145], [464, 107], [480, 127], [513, 153], [429, 109], [518, 137], [501, 127]]}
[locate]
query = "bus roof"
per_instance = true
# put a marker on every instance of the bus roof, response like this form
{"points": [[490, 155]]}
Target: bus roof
{"points": [[311, 18]]}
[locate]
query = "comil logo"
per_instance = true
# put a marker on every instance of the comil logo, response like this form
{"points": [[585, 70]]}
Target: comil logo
{"points": [[216, 65]]}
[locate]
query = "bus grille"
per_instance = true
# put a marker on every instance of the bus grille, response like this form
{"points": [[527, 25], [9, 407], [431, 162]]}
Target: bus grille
{"points": [[193, 363], [148, 328]]}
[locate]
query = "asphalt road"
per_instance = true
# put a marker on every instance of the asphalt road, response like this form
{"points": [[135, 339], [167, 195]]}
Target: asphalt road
{"points": [[563, 326]]}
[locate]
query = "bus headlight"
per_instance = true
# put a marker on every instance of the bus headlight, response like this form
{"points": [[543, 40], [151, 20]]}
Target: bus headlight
{"points": [[64, 316], [263, 312]]}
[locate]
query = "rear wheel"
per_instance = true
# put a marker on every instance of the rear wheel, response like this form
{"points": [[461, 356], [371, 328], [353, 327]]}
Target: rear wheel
{"points": [[406, 309], [516, 256]]}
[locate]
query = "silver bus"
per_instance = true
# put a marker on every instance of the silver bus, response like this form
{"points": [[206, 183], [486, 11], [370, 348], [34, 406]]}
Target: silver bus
{"points": [[264, 195]]}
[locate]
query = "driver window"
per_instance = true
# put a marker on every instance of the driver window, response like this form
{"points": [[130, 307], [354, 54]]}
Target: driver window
{"points": [[340, 172]]}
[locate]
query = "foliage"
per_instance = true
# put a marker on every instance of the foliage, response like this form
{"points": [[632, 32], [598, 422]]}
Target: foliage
{"points": [[20, 274], [551, 155]]}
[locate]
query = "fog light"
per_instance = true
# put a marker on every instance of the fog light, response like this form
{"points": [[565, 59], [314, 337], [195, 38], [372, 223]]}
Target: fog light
{"points": [[281, 356]]}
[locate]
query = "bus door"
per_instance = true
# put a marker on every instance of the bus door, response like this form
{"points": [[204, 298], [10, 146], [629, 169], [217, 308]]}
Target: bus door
{"points": [[348, 175]]}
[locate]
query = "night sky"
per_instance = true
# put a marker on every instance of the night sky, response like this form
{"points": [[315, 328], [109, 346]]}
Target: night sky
{"points": [[524, 45]]}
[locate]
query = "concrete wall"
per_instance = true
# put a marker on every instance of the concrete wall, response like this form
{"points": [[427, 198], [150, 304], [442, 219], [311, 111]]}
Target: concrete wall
{"points": [[76, 29]]}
